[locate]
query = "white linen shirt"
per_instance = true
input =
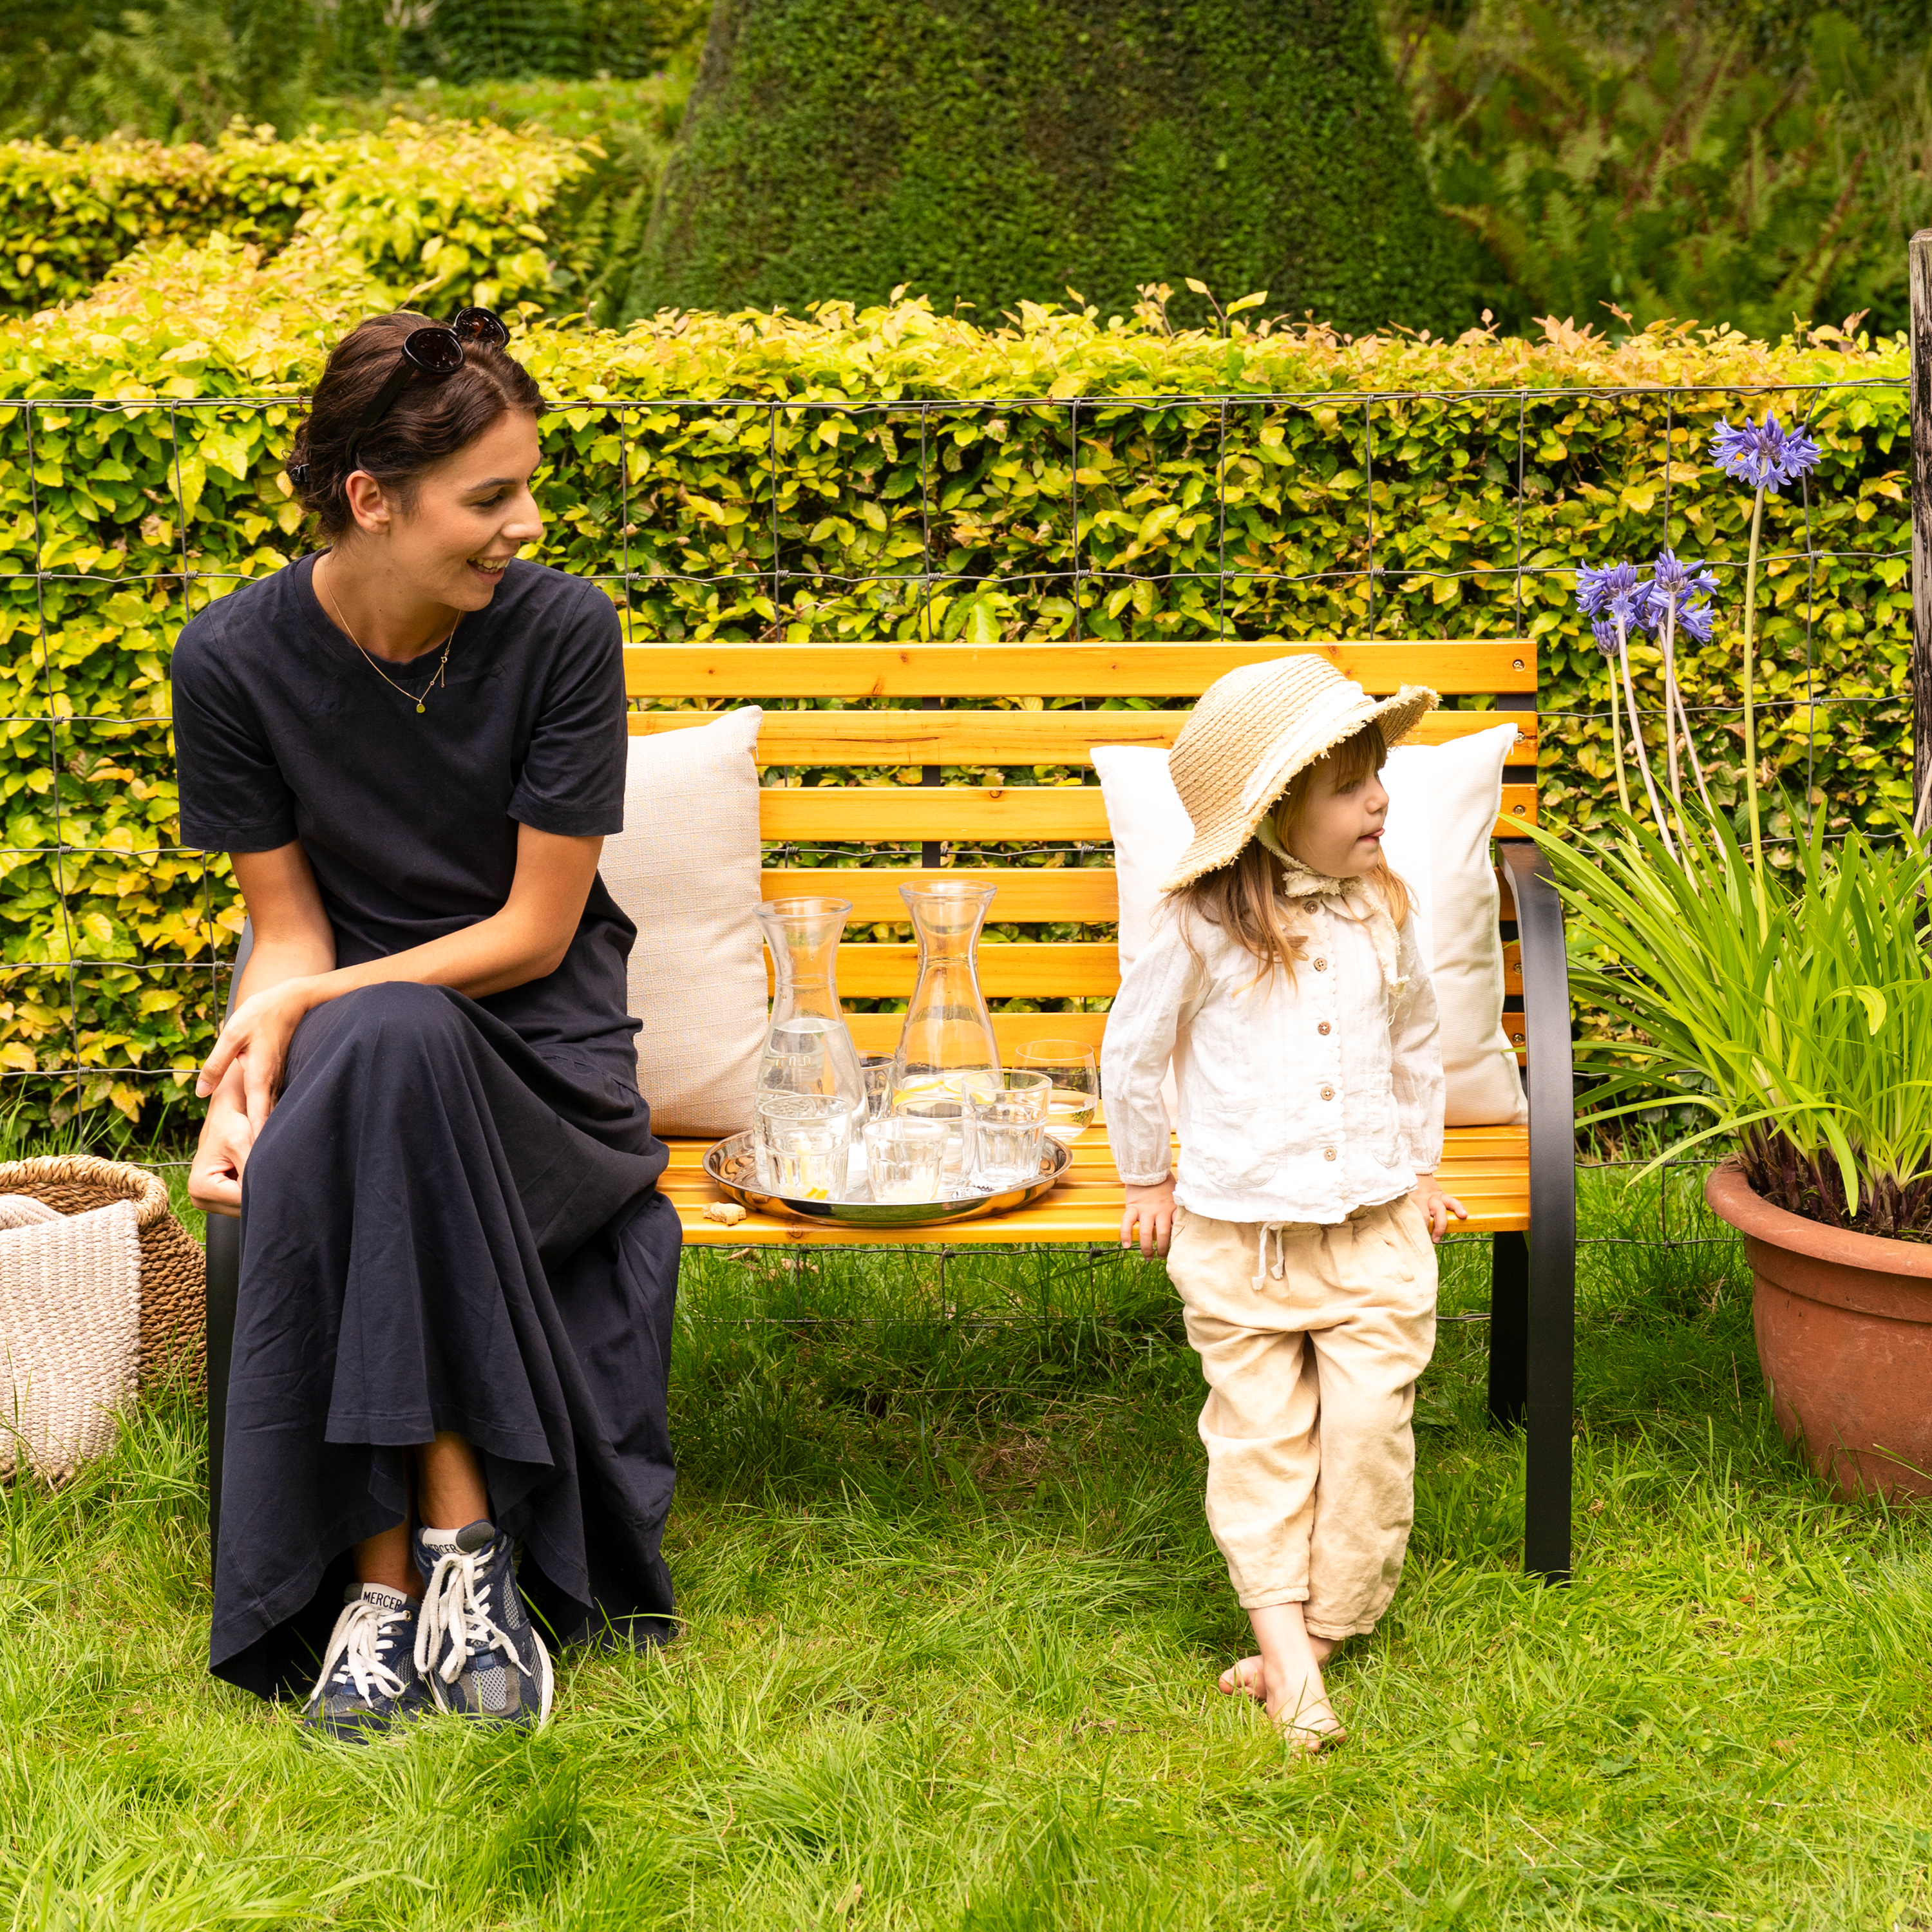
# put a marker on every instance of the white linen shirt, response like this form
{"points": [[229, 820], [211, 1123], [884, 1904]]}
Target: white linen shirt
{"points": [[1299, 1102]]}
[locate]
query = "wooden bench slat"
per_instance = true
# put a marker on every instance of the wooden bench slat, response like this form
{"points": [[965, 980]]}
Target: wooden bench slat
{"points": [[879, 1033], [979, 814], [740, 672], [1004, 738], [1070, 969], [1064, 969], [1083, 895]]}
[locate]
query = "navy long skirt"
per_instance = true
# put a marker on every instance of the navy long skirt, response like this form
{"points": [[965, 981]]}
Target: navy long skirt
{"points": [[443, 1227]]}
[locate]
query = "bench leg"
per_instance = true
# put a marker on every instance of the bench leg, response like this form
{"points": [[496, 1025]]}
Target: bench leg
{"points": [[1551, 1352], [224, 1282], [1509, 1330], [1550, 1299]]}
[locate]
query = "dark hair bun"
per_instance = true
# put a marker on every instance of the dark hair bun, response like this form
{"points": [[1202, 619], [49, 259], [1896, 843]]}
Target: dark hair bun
{"points": [[427, 422]]}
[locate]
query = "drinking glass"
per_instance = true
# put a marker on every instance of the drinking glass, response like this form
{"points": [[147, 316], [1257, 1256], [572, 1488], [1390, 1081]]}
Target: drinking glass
{"points": [[903, 1156], [804, 1145], [954, 1113], [1068, 1064], [1009, 1117], [877, 1068]]}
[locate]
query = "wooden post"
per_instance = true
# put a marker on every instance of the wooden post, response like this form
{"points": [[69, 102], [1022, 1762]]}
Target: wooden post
{"points": [[1921, 274]]}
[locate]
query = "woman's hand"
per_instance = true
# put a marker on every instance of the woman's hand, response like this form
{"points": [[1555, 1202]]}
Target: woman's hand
{"points": [[214, 1180], [1436, 1206], [255, 1044], [1152, 1207]]}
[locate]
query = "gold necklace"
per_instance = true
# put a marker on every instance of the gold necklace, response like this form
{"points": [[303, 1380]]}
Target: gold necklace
{"points": [[369, 657]]}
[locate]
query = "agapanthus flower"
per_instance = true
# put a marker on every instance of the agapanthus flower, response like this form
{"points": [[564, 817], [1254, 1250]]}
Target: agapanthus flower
{"points": [[1605, 632], [1765, 455], [1597, 589], [1694, 621], [1672, 576]]}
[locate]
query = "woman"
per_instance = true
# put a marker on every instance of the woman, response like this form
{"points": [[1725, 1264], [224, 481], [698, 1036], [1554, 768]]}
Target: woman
{"points": [[458, 1274]]}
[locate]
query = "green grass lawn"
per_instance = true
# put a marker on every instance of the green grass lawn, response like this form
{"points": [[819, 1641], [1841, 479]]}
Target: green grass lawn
{"points": [[954, 1622]]}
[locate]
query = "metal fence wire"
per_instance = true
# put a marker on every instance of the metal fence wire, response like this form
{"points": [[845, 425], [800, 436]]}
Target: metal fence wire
{"points": [[1380, 571]]}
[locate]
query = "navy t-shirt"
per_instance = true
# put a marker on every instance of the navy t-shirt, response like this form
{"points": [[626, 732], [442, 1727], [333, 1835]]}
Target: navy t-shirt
{"points": [[284, 731]]}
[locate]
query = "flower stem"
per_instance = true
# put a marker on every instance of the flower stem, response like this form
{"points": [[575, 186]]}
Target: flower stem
{"points": [[1672, 703], [1617, 745], [1636, 730], [1750, 711]]}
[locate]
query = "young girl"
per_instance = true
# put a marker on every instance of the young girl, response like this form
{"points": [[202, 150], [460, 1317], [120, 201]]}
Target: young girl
{"points": [[1284, 981]]}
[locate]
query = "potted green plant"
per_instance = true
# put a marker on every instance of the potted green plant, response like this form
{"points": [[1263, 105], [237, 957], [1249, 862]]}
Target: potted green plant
{"points": [[1793, 1006]]}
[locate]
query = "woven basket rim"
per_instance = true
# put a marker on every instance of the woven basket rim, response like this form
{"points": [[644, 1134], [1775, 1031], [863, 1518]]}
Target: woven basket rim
{"points": [[120, 1179]]}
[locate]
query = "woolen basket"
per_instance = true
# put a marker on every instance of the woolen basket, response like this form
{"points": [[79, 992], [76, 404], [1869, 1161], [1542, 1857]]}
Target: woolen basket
{"points": [[174, 1274]]}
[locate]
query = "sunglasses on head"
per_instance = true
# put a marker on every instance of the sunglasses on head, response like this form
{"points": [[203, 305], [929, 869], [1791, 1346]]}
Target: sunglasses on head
{"points": [[434, 352]]}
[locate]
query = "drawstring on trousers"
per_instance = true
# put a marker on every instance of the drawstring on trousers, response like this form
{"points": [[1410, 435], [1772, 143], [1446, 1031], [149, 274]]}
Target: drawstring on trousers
{"points": [[1276, 1231]]}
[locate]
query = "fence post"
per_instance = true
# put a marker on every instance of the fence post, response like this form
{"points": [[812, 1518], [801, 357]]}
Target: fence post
{"points": [[1920, 261]]}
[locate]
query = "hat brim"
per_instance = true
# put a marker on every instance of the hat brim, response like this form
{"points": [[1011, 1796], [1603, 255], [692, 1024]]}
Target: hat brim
{"points": [[1221, 844]]}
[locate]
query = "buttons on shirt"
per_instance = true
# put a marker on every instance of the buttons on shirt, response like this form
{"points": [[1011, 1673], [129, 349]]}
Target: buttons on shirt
{"points": [[1323, 1027], [1320, 965], [1328, 1154], [1327, 1092]]}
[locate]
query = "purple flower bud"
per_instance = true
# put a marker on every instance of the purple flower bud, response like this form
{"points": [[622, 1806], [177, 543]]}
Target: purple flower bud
{"points": [[1605, 632], [1765, 455]]}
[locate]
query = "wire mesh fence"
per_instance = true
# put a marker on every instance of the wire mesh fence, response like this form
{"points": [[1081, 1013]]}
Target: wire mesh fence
{"points": [[1350, 515]]}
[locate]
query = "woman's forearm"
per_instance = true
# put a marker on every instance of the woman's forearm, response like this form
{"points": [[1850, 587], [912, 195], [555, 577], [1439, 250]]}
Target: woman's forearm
{"points": [[509, 949]]}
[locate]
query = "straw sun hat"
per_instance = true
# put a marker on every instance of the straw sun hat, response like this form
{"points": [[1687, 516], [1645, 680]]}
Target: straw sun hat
{"points": [[1252, 730]]}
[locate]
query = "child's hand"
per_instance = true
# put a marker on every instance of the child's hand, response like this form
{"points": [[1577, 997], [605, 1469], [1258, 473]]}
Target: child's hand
{"points": [[1436, 1206], [1152, 1207]]}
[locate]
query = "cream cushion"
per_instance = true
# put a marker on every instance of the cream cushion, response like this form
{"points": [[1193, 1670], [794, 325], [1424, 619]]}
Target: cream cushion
{"points": [[1443, 803], [685, 869]]}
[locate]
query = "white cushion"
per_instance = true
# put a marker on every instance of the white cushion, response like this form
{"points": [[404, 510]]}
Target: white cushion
{"points": [[685, 869], [1443, 803]]}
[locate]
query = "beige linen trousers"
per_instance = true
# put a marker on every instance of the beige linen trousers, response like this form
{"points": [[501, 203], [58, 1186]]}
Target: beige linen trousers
{"points": [[1311, 1339]]}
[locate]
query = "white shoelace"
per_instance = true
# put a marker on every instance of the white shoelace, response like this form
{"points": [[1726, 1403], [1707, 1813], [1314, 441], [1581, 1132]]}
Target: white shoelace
{"points": [[456, 1605], [355, 1649]]}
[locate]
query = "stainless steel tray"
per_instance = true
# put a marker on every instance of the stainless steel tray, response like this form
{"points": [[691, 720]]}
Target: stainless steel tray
{"points": [[731, 1166]]}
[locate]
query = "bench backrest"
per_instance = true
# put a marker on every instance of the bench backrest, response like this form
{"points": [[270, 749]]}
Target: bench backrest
{"points": [[893, 718]]}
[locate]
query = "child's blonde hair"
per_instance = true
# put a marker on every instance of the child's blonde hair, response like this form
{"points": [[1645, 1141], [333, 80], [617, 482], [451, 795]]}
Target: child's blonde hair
{"points": [[1240, 897]]}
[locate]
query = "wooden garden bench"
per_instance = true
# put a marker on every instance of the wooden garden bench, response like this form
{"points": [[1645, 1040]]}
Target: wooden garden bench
{"points": [[1518, 1183]]}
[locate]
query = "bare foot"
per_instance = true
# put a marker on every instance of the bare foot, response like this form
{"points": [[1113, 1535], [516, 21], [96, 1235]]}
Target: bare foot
{"points": [[1301, 1712], [1245, 1676]]}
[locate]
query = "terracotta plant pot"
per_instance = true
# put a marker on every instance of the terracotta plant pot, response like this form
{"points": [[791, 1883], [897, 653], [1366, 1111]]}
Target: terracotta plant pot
{"points": [[1844, 1336]]}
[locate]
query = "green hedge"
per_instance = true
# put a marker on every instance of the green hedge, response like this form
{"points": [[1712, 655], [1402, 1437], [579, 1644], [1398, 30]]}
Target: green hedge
{"points": [[452, 211], [1002, 152], [858, 483]]}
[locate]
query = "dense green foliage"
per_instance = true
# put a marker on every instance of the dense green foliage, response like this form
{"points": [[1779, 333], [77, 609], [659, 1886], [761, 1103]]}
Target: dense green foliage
{"points": [[989, 154], [448, 213], [181, 70], [891, 521], [1694, 171], [953, 1621], [596, 218]]}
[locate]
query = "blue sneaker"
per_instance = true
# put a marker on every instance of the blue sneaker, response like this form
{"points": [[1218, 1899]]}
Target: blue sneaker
{"points": [[369, 1682], [476, 1647]]}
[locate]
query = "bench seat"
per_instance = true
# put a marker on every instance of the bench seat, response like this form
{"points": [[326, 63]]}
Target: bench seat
{"points": [[1486, 1168]]}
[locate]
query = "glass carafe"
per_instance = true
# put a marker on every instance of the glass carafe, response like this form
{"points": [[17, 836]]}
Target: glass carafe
{"points": [[948, 1031], [808, 1047]]}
